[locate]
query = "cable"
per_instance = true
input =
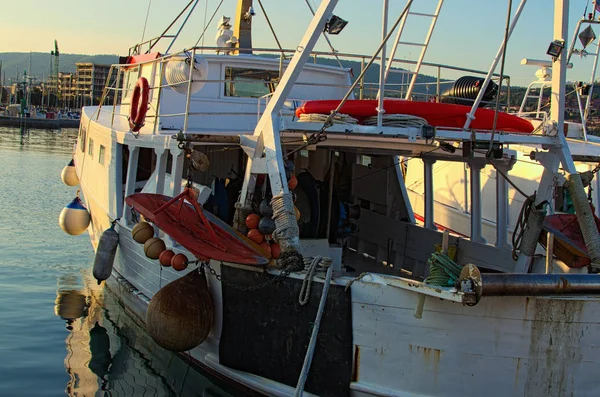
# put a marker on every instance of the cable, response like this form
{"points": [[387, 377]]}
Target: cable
{"points": [[270, 26], [206, 27], [146, 22], [205, 14], [506, 31]]}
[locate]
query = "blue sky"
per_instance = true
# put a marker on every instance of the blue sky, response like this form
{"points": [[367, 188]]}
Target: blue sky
{"points": [[468, 33]]}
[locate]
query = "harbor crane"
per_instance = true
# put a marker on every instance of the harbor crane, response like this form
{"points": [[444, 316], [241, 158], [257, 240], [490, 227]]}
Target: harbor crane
{"points": [[55, 54]]}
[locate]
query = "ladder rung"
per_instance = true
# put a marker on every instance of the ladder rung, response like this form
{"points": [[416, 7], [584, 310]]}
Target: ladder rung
{"points": [[409, 43], [423, 15]]}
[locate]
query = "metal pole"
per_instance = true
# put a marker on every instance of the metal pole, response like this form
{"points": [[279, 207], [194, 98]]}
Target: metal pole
{"points": [[381, 93], [429, 222], [514, 284], [471, 114]]}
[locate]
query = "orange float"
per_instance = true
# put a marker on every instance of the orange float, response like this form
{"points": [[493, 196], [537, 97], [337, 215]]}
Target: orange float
{"points": [[293, 182], [266, 247], [165, 257], [252, 221], [256, 236], [179, 262], [275, 251]]}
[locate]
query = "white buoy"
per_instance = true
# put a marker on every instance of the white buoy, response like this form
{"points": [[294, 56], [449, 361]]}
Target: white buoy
{"points": [[74, 219], [105, 254], [69, 175]]}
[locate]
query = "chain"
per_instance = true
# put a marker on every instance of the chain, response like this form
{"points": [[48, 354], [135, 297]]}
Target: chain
{"points": [[272, 280]]}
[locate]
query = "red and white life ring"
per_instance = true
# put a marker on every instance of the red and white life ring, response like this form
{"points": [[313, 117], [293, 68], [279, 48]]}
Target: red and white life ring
{"points": [[139, 104]]}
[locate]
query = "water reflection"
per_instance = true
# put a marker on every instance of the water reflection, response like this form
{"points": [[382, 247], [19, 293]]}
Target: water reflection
{"points": [[55, 141], [109, 353]]}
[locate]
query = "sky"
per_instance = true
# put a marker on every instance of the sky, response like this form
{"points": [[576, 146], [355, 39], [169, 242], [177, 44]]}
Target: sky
{"points": [[468, 32]]}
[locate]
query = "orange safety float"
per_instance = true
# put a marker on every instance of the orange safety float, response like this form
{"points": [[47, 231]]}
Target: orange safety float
{"points": [[139, 104]]}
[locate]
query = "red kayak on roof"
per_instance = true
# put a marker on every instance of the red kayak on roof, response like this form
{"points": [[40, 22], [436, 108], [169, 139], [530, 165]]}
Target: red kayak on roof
{"points": [[436, 114]]}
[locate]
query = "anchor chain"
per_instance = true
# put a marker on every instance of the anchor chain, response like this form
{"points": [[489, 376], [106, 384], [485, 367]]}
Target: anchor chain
{"points": [[272, 280]]}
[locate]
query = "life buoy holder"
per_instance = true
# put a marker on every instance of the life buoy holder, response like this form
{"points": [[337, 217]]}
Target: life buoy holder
{"points": [[139, 104]]}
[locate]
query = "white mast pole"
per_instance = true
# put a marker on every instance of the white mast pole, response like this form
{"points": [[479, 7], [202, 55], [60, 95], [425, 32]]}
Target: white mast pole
{"points": [[381, 93]]}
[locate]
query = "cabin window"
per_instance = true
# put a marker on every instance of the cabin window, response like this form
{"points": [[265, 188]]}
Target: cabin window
{"points": [[82, 138], [250, 83], [91, 147], [101, 154]]}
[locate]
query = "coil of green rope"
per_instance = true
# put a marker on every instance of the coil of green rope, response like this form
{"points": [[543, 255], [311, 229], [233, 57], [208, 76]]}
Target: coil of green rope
{"points": [[443, 271]]}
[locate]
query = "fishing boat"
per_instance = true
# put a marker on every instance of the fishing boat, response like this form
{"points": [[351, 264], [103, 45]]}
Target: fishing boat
{"points": [[281, 253]]}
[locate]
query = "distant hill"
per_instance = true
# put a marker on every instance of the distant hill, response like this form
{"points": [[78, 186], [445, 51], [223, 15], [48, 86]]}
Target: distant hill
{"points": [[13, 62]]}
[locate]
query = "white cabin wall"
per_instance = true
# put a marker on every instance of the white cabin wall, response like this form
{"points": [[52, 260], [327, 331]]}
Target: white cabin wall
{"points": [[242, 113]]}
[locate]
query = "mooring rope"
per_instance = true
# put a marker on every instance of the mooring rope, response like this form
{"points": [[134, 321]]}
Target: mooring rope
{"points": [[528, 228], [313, 337], [443, 271]]}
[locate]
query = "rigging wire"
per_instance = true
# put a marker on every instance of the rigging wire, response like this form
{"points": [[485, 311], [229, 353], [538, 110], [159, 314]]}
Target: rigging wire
{"points": [[317, 136], [146, 22], [270, 26], [206, 26], [506, 31], [205, 14], [324, 35]]}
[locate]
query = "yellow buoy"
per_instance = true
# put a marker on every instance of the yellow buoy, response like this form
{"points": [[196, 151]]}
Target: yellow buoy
{"points": [[153, 247], [69, 175], [74, 219], [142, 232], [297, 211]]}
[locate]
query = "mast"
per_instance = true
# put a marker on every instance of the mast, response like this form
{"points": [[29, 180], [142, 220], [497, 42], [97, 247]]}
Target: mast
{"points": [[243, 27]]}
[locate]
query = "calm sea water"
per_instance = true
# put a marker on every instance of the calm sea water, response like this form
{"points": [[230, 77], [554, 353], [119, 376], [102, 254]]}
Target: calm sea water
{"points": [[59, 332]]}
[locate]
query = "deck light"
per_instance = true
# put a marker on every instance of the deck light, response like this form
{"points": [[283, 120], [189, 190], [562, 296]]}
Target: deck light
{"points": [[555, 48], [335, 25]]}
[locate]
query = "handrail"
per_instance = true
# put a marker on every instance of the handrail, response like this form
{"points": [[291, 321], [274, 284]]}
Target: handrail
{"points": [[116, 92]]}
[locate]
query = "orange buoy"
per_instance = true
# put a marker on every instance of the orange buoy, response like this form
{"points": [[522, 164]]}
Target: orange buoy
{"points": [[266, 247], [275, 250], [179, 262], [252, 221], [165, 257], [153, 247], [256, 236], [142, 232], [293, 182]]}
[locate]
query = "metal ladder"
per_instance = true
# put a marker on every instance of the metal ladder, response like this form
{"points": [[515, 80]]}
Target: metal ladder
{"points": [[424, 45]]}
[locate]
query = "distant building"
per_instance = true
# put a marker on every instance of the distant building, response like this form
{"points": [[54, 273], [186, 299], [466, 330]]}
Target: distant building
{"points": [[91, 80]]}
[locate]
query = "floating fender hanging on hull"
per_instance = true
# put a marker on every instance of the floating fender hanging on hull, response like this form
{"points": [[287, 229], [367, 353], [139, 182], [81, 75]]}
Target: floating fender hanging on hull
{"points": [[74, 219], [105, 254], [69, 175], [180, 315]]}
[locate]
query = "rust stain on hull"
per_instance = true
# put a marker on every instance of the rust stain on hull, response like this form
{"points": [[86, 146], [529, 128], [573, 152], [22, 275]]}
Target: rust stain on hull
{"points": [[356, 366]]}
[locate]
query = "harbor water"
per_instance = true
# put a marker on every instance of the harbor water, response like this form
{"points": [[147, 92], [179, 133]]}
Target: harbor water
{"points": [[61, 333]]}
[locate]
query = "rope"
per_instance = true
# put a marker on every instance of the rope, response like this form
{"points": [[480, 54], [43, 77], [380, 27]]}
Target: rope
{"points": [[339, 118], [239, 217], [312, 264], [443, 271], [397, 120], [528, 228], [313, 337], [287, 233]]}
